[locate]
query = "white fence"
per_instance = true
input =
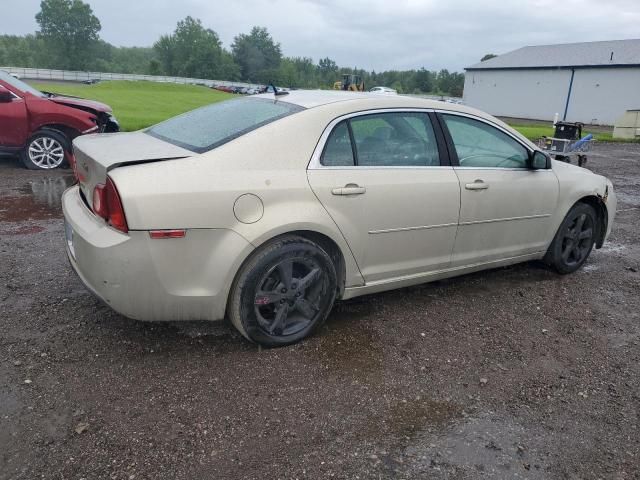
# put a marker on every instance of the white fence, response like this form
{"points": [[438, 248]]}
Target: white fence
{"points": [[71, 76]]}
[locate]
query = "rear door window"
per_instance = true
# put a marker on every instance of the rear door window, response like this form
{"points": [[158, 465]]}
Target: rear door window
{"points": [[338, 151], [394, 139], [398, 139]]}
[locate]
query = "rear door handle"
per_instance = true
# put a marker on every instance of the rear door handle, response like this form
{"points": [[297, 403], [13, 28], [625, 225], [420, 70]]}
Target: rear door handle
{"points": [[349, 189], [477, 185]]}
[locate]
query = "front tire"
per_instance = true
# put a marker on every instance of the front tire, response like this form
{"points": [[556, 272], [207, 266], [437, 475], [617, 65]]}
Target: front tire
{"points": [[574, 240], [284, 292], [45, 150]]}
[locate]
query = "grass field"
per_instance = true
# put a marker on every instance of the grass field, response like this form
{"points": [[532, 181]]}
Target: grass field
{"points": [[139, 104], [534, 132]]}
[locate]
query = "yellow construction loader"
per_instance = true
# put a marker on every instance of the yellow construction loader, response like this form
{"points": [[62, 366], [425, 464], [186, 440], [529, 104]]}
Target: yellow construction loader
{"points": [[350, 82]]}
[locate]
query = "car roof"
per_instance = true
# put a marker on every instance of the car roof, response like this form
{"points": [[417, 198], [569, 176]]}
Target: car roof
{"points": [[318, 98], [370, 100]]}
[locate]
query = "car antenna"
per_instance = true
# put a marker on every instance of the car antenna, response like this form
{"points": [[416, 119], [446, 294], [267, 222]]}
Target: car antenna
{"points": [[276, 92]]}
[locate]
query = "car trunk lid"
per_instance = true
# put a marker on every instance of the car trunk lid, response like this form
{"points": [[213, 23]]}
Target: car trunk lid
{"points": [[96, 155]]}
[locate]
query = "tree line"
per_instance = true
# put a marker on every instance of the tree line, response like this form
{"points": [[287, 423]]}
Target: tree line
{"points": [[69, 39]]}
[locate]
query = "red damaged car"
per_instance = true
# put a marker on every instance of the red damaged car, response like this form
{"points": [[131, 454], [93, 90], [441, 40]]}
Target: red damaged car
{"points": [[40, 126]]}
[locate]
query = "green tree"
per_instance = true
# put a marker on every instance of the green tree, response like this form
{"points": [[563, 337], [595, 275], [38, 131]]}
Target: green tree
{"points": [[154, 67], [194, 51], [443, 81], [69, 30], [165, 52], [457, 84], [27, 51], [288, 75], [488, 56], [423, 80], [305, 72], [131, 59], [257, 55], [327, 71], [228, 69]]}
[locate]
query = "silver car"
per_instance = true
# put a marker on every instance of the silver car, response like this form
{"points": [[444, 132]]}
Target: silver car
{"points": [[267, 209]]}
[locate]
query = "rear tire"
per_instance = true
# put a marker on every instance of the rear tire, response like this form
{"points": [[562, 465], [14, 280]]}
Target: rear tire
{"points": [[45, 150], [574, 240], [283, 293]]}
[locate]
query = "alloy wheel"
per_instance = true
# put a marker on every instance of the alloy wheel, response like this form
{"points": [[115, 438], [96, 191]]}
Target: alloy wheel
{"points": [[288, 296], [577, 240], [46, 153]]}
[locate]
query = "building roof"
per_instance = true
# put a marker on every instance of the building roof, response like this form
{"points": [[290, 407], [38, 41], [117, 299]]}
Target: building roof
{"points": [[610, 53]]}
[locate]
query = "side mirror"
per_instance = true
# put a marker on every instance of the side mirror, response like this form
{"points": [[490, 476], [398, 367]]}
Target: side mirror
{"points": [[5, 96], [540, 161]]}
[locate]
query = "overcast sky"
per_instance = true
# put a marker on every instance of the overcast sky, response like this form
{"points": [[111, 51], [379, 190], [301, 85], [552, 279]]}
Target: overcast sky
{"points": [[371, 34]]}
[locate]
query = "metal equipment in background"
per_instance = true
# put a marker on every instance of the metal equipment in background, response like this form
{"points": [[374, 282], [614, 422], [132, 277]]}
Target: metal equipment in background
{"points": [[567, 142], [350, 82]]}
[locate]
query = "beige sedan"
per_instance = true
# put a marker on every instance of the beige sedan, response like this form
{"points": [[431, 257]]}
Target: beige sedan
{"points": [[266, 210]]}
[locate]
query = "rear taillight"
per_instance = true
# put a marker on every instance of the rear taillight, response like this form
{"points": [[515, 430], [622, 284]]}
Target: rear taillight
{"points": [[107, 204]]}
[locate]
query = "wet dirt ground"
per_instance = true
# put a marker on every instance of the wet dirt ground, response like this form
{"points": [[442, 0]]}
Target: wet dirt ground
{"points": [[511, 373]]}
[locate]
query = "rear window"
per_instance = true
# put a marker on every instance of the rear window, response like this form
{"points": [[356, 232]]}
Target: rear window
{"points": [[208, 127]]}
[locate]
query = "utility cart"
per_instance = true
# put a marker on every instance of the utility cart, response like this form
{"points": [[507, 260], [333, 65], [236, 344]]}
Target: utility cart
{"points": [[567, 143]]}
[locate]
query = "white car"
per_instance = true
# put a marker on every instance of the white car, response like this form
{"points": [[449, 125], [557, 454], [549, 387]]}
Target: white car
{"points": [[388, 90], [267, 209]]}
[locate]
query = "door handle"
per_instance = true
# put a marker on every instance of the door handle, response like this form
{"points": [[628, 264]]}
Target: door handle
{"points": [[477, 185], [349, 189]]}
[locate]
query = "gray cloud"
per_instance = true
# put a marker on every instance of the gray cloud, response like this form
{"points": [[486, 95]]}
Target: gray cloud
{"points": [[372, 34]]}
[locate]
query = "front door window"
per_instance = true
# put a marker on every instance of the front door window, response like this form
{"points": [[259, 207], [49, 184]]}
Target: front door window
{"points": [[478, 144]]}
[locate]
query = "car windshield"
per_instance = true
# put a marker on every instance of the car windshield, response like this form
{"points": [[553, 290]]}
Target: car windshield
{"points": [[208, 127], [19, 84]]}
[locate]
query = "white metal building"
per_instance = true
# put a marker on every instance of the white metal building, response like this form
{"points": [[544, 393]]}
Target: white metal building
{"points": [[592, 82]]}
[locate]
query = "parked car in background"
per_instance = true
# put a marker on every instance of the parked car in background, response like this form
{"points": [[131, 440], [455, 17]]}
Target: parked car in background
{"points": [[384, 90], [223, 88], [267, 210], [15, 75], [91, 81], [40, 126], [270, 89]]}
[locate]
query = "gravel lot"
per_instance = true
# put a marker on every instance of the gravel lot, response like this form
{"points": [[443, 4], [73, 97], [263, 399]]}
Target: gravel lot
{"points": [[512, 373]]}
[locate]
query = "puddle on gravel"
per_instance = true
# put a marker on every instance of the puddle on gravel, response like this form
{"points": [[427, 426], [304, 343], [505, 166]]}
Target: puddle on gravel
{"points": [[407, 418], [38, 200], [626, 200], [609, 247], [589, 267], [495, 447]]}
